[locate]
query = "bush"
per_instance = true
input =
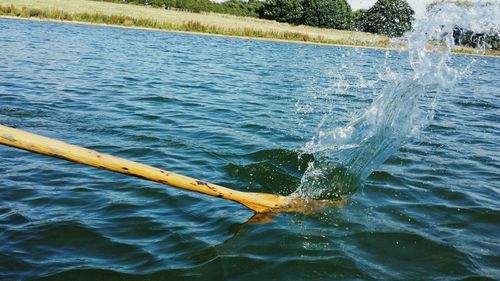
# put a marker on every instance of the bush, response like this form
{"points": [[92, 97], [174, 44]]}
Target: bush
{"points": [[327, 13], [389, 17], [321, 13], [476, 40], [290, 11], [357, 18]]}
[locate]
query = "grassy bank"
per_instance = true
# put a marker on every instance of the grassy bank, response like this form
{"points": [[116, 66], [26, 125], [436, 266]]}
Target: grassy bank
{"points": [[146, 17], [472, 51], [119, 20], [107, 13]]}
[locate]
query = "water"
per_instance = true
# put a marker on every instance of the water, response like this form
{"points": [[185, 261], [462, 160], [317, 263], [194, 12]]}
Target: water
{"points": [[347, 154], [243, 114]]}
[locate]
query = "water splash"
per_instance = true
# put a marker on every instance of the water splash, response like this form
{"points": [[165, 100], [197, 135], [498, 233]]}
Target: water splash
{"points": [[346, 155]]}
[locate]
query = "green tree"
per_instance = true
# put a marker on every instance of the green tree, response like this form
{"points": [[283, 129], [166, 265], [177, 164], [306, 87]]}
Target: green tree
{"points": [[471, 39], [357, 17], [437, 3], [290, 11], [327, 13], [468, 38], [389, 17]]}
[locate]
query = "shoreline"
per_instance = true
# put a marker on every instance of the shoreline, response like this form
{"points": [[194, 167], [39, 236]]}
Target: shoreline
{"points": [[264, 39], [150, 18], [190, 27]]}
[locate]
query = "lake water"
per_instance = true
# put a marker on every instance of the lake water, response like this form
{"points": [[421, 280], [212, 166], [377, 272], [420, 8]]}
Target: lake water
{"points": [[238, 113]]}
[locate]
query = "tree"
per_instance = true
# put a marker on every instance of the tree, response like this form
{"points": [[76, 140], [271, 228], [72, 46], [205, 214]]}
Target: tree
{"points": [[469, 38], [327, 13], [389, 17], [321, 13], [290, 11], [357, 17], [437, 3]]}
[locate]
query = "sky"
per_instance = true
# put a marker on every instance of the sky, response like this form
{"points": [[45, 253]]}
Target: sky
{"points": [[417, 5]]}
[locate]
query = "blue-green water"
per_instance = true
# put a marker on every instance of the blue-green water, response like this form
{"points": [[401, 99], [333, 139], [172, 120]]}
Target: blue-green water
{"points": [[237, 113]]}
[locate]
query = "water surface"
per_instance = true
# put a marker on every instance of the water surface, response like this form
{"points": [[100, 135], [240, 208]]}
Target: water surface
{"points": [[237, 113]]}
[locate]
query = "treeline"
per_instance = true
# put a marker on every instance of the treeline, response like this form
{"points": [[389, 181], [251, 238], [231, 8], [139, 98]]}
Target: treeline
{"points": [[250, 8], [476, 40], [389, 17], [467, 38], [320, 13]]}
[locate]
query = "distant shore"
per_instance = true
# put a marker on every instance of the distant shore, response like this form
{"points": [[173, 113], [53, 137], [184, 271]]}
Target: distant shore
{"points": [[147, 18], [136, 16], [188, 32]]}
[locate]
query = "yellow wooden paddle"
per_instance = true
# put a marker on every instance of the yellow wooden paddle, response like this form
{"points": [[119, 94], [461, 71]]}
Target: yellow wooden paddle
{"points": [[258, 202]]}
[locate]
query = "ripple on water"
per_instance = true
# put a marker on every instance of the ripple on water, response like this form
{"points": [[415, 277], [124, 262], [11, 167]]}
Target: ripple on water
{"points": [[195, 105]]}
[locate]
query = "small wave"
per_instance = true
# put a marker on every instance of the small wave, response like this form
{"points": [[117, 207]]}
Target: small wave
{"points": [[272, 170], [477, 104], [79, 274], [408, 249], [157, 99]]}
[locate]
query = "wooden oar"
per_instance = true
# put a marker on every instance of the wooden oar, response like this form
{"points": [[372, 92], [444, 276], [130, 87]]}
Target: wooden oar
{"points": [[258, 202]]}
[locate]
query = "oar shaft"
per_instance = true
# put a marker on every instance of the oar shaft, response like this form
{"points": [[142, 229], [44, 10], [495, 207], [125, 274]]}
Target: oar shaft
{"points": [[259, 202]]}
